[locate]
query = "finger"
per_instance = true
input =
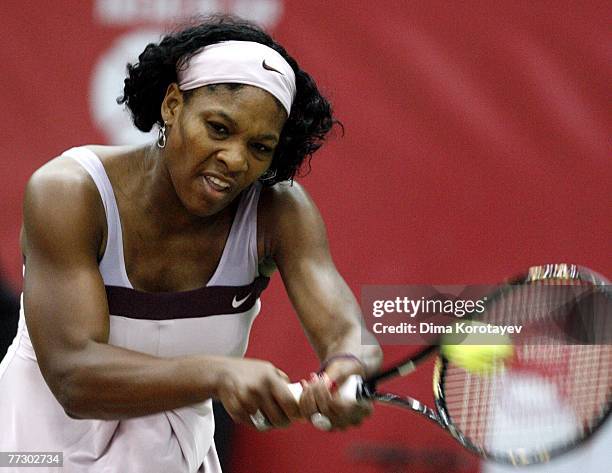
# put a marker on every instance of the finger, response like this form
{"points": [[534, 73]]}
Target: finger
{"points": [[341, 369], [319, 401], [307, 404], [318, 388], [283, 375], [265, 402], [286, 400], [324, 401], [248, 407], [341, 412], [235, 409], [350, 412], [274, 413]]}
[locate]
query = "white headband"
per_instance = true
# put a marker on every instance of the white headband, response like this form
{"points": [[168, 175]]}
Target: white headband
{"points": [[241, 62]]}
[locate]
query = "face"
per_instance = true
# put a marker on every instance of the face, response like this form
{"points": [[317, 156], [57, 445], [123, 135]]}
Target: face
{"points": [[220, 141]]}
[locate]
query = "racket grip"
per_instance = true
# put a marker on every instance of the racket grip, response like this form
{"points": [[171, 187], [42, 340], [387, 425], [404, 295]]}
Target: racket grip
{"points": [[349, 391]]}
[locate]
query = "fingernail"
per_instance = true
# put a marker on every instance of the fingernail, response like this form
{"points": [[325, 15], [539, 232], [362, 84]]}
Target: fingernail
{"points": [[314, 376], [333, 387]]}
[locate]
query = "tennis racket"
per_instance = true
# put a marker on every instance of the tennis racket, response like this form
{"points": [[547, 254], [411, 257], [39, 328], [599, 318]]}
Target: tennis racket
{"points": [[548, 398]]}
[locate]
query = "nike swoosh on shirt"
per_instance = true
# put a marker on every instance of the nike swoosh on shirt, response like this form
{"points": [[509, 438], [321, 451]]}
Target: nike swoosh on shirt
{"points": [[270, 68], [237, 303]]}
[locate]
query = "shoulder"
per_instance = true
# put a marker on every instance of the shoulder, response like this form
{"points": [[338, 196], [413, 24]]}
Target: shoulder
{"points": [[289, 217], [61, 182], [285, 198], [60, 198], [61, 170], [64, 177]]}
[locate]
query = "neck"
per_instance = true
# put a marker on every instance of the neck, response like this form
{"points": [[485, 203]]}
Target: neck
{"points": [[160, 201]]}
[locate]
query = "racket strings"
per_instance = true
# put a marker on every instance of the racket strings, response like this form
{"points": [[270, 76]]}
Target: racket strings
{"points": [[554, 310], [512, 409], [554, 391]]}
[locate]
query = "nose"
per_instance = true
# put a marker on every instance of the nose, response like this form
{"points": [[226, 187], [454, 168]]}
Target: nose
{"points": [[234, 158]]}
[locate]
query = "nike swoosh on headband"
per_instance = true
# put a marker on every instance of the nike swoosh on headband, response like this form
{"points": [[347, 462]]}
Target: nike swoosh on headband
{"points": [[237, 303], [270, 68]]}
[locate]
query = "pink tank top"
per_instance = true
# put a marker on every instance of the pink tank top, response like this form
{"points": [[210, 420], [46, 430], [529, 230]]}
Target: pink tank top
{"points": [[215, 319]]}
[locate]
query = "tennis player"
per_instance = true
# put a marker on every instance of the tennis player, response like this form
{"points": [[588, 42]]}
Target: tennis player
{"points": [[144, 266]]}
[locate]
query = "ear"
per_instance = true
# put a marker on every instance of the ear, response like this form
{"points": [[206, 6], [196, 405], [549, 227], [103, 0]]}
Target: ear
{"points": [[172, 104]]}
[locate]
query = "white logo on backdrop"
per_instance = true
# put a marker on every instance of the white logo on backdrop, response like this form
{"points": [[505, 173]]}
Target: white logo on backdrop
{"points": [[266, 13], [107, 84], [110, 70]]}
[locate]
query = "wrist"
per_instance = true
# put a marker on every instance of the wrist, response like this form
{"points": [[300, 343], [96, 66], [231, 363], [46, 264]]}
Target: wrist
{"points": [[343, 364], [213, 373]]}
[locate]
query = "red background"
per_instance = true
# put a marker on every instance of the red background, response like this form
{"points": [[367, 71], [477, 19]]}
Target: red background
{"points": [[476, 144]]}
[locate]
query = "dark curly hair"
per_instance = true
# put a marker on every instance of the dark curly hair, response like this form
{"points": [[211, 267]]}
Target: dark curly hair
{"points": [[145, 87]]}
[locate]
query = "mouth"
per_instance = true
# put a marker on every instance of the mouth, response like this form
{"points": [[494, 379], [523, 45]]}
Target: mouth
{"points": [[217, 184]]}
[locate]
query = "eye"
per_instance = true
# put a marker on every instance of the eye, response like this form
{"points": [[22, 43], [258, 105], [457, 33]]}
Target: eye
{"points": [[262, 149], [218, 128]]}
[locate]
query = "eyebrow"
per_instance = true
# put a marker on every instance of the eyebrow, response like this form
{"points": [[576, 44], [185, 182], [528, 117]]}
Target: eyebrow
{"points": [[232, 122]]}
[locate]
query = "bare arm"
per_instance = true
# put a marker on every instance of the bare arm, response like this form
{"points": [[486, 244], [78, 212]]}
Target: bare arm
{"points": [[68, 320], [325, 304]]}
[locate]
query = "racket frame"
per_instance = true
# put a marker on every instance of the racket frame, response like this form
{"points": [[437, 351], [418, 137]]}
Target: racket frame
{"points": [[515, 457], [441, 415]]}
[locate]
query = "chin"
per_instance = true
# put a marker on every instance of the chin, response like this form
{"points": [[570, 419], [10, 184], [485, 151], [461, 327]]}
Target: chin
{"points": [[199, 206], [204, 209]]}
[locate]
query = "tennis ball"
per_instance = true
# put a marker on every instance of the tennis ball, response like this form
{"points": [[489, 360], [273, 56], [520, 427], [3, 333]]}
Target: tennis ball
{"points": [[469, 352], [478, 359]]}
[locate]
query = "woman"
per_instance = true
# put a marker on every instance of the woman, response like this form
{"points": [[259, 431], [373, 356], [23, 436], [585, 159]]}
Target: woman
{"points": [[144, 265]]}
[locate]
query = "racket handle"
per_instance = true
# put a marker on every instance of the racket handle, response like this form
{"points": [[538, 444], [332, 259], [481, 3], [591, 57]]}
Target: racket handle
{"points": [[349, 391]]}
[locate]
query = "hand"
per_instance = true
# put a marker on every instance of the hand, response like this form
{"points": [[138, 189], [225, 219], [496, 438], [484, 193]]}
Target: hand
{"points": [[320, 395], [245, 386]]}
